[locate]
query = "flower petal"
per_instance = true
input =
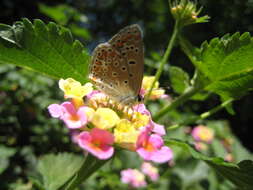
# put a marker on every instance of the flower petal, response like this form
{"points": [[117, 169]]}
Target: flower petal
{"points": [[163, 155], [97, 142], [55, 110]]}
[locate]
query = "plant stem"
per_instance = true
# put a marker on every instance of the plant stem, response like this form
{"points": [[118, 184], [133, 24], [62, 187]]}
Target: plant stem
{"points": [[89, 166], [178, 101], [203, 115], [165, 58]]}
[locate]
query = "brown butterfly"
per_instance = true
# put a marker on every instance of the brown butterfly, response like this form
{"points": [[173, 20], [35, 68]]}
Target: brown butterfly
{"points": [[117, 66]]}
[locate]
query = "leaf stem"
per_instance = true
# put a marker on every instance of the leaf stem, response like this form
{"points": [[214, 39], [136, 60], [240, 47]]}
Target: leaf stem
{"points": [[178, 101], [165, 58], [202, 116]]}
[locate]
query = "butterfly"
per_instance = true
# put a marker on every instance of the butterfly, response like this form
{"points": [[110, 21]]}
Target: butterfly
{"points": [[117, 66]]}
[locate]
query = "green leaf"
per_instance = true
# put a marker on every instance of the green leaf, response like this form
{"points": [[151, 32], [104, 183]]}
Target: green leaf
{"points": [[60, 13], [179, 79], [228, 64], [57, 169], [48, 49], [240, 174], [11, 34]]}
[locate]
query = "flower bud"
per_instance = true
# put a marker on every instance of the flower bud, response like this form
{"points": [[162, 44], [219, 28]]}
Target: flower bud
{"points": [[186, 12]]}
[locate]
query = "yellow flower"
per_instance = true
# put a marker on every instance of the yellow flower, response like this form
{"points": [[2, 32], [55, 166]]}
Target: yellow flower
{"points": [[74, 89], [156, 91], [147, 82], [105, 118], [125, 132], [140, 120], [89, 113]]}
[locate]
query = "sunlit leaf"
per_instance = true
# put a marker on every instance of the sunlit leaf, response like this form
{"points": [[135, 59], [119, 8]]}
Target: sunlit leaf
{"points": [[228, 64], [57, 169], [48, 49]]}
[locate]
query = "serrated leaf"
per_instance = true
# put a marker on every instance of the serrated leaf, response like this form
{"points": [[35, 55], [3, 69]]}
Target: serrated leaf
{"points": [[240, 174], [228, 64], [12, 34], [48, 49], [56, 170]]}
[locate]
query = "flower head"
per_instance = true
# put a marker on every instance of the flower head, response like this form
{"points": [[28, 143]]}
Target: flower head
{"points": [[98, 142], [133, 177], [97, 123], [203, 134], [186, 12], [151, 171]]}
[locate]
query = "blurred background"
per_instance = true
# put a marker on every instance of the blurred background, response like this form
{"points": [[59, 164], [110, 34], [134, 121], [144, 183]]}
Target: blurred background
{"points": [[27, 131]]}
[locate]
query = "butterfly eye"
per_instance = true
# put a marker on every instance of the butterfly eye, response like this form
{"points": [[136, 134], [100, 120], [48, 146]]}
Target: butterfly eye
{"points": [[139, 98], [136, 50], [126, 81], [123, 68]]}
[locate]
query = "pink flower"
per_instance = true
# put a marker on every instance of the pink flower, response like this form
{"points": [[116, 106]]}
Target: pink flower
{"points": [[157, 128], [150, 171], [142, 109], [133, 177], [72, 117], [98, 142], [203, 134], [151, 147], [56, 110]]}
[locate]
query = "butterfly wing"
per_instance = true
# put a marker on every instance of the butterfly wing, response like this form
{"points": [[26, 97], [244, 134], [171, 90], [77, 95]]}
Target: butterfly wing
{"points": [[128, 42], [109, 72]]}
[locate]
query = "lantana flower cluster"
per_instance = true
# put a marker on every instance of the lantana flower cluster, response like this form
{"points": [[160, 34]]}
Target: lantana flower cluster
{"points": [[98, 124], [202, 135], [136, 179]]}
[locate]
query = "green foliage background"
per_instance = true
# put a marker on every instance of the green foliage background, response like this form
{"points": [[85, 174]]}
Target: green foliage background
{"points": [[27, 132]]}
